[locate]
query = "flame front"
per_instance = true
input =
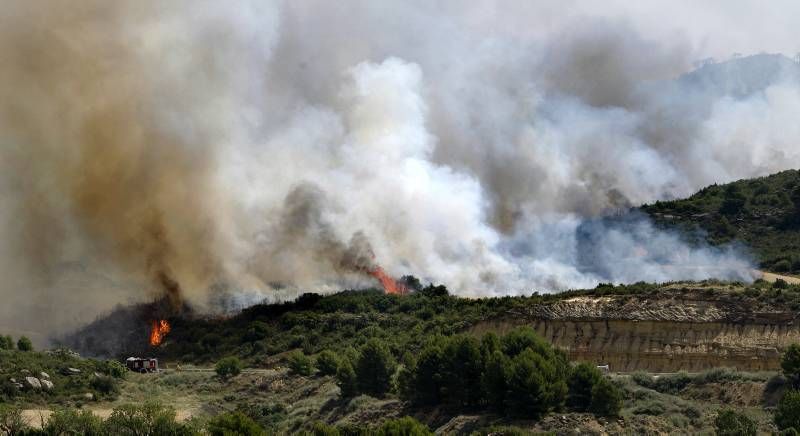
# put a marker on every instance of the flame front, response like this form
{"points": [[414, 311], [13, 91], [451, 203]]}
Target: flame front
{"points": [[159, 329], [390, 285]]}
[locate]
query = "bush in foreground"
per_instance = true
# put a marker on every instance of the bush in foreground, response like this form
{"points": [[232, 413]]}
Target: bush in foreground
{"points": [[788, 413], [229, 424], [74, 422], [731, 423], [606, 399]]}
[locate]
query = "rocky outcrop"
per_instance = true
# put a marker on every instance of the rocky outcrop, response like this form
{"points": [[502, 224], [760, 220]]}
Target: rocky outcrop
{"points": [[689, 330]]}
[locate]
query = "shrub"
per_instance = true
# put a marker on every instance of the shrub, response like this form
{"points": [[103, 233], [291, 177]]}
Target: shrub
{"points": [[24, 344], [494, 380], [606, 399], [426, 377], [406, 426], [582, 380], [327, 363], [533, 386], [236, 423], [731, 423], [374, 368], [151, 418], [790, 363], [787, 415], [6, 343], [106, 385], [11, 420], [462, 375], [113, 368], [346, 380], [228, 367], [74, 422], [300, 364]]}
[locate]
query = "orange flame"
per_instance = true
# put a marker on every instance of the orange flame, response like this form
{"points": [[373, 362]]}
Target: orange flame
{"points": [[390, 285], [159, 329]]}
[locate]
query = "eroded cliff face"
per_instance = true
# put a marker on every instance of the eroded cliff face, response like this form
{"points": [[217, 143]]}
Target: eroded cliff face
{"points": [[678, 329]]}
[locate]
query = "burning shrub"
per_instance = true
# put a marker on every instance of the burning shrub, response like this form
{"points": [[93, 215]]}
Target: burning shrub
{"points": [[300, 364], [228, 367]]}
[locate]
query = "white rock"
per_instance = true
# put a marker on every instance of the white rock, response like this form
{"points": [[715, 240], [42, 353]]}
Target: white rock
{"points": [[47, 384], [44, 375], [89, 396], [33, 382]]}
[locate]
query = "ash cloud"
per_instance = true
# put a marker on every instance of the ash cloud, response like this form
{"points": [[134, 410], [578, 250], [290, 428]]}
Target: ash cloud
{"points": [[179, 148]]}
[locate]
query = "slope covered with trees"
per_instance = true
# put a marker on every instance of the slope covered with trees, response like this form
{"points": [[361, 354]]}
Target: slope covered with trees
{"points": [[763, 214]]}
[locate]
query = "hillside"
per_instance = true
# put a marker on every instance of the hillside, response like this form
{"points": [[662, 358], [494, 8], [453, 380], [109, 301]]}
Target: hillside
{"points": [[672, 328], [763, 214]]}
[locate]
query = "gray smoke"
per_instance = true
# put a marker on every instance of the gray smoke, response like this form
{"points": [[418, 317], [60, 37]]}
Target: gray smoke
{"points": [[178, 148]]}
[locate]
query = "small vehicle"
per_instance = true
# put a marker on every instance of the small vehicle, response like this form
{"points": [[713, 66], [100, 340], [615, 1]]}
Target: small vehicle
{"points": [[142, 365]]}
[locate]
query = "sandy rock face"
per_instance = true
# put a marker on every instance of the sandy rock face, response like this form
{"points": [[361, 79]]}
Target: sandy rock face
{"points": [[673, 330]]}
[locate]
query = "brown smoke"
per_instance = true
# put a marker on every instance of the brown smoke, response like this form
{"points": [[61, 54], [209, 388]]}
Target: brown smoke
{"points": [[90, 141]]}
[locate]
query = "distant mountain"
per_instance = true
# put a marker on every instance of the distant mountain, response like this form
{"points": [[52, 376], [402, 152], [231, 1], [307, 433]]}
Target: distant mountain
{"points": [[762, 213], [742, 76]]}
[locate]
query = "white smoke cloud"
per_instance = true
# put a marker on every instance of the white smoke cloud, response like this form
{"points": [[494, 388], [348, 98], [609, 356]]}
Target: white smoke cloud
{"points": [[473, 144]]}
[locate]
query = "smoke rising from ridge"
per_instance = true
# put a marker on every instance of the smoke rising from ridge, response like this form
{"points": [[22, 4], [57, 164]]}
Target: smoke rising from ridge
{"points": [[179, 147]]}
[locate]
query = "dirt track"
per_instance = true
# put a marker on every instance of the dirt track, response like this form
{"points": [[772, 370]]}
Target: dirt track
{"points": [[771, 277]]}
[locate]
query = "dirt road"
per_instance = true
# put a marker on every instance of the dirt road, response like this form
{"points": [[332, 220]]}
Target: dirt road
{"points": [[771, 277]]}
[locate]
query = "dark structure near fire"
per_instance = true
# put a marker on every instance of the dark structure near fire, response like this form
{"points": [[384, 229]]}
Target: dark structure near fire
{"points": [[142, 365]]}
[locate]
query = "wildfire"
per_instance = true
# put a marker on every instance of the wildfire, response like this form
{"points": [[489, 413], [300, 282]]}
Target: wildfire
{"points": [[390, 285], [159, 329]]}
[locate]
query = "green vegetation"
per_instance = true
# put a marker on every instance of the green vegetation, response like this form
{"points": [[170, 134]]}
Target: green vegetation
{"points": [[763, 213], [300, 364], [731, 423], [56, 377], [406, 426], [228, 367], [24, 344], [519, 374], [236, 423], [374, 368], [327, 363], [787, 415], [790, 364]]}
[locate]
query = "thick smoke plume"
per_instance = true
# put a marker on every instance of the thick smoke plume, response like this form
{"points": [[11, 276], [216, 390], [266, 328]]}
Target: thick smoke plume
{"points": [[187, 149]]}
